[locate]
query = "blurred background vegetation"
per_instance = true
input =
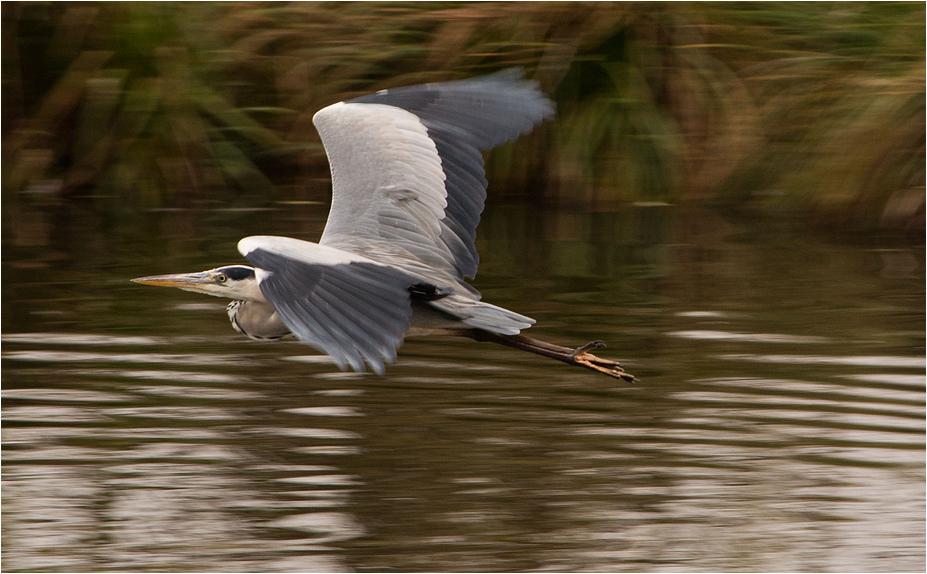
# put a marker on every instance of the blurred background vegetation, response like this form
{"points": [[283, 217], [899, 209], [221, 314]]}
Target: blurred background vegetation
{"points": [[809, 109]]}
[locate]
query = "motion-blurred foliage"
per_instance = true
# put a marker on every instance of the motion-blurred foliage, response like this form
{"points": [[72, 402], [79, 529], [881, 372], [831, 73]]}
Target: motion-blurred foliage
{"points": [[805, 107]]}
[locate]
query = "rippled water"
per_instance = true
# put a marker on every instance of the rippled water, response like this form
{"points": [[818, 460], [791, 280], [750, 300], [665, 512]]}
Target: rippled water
{"points": [[779, 423]]}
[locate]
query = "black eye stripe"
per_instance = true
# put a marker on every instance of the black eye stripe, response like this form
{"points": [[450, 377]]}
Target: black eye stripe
{"points": [[237, 272]]}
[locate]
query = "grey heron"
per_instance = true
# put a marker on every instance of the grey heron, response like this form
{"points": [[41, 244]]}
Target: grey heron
{"points": [[408, 188]]}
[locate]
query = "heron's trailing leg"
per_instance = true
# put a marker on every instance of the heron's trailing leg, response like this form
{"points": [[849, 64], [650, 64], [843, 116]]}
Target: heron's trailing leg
{"points": [[579, 356]]}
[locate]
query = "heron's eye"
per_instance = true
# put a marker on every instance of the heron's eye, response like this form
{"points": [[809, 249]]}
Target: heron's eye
{"points": [[222, 278]]}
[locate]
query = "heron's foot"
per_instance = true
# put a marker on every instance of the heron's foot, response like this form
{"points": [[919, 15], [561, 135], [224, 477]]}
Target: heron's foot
{"points": [[582, 357], [587, 346]]}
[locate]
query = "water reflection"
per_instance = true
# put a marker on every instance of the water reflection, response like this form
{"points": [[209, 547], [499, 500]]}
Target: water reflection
{"points": [[78, 339], [909, 362], [74, 357], [769, 432], [749, 337]]}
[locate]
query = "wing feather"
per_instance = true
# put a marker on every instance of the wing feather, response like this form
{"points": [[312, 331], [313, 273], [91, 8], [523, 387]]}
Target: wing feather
{"points": [[348, 306], [407, 168]]}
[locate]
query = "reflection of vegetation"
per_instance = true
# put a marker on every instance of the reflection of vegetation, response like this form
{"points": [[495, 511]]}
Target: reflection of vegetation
{"points": [[808, 106]]}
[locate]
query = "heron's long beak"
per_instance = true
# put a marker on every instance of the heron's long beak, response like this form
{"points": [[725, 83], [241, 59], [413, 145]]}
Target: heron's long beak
{"points": [[187, 281]]}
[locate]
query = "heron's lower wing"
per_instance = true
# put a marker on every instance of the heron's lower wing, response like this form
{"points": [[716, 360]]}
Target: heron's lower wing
{"points": [[352, 308]]}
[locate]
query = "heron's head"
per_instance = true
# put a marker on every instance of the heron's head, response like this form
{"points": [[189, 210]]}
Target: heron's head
{"points": [[230, 282]]}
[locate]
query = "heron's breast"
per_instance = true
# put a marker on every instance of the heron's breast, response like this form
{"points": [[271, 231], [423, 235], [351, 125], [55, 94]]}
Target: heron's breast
{"points": [[256, 320]]}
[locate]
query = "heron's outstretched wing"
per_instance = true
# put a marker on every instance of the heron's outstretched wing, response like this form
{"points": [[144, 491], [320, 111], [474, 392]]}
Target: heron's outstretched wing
{"points": [[345, 305], [407, 172]]}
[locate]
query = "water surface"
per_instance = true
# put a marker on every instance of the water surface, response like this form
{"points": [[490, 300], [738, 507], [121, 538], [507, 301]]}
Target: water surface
{"points": [[778, 425]]}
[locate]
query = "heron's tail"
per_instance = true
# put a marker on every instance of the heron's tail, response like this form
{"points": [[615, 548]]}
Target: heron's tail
{"points": [[483, 315]]}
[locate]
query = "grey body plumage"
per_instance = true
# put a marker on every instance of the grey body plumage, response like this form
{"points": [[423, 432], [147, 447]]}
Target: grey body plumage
{"points": [[258, 321]]}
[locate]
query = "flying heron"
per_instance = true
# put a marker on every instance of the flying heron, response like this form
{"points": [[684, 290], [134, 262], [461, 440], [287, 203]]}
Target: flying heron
{"points": [[408, 188]]}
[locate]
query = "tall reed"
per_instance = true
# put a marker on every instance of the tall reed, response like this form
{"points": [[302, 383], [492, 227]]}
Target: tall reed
{"points": [[809, 108]]}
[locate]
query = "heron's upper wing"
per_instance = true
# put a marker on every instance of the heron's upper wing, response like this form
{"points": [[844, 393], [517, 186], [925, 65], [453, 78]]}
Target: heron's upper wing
{"points": [[407, 169], [345, 305]]}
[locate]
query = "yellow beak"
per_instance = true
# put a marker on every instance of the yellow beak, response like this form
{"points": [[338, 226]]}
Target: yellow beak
{"points": [[186, 281]]}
